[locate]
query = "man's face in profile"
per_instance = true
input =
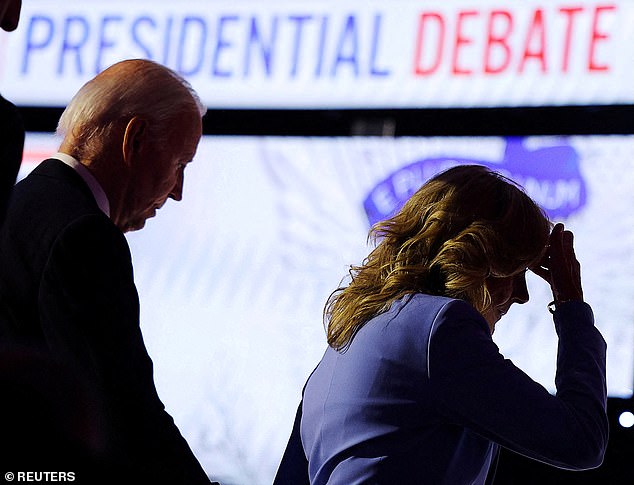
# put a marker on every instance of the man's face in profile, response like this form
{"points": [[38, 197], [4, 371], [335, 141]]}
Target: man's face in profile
{"points": [[10, 14], [160, 170]]}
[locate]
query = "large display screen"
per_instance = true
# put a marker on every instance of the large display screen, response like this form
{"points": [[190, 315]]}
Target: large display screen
{"points": [[233, 278], [333, 53]]}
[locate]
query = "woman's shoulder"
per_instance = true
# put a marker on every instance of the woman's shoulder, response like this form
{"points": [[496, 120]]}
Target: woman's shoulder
{"points": [[421, 302], [433, 309]]}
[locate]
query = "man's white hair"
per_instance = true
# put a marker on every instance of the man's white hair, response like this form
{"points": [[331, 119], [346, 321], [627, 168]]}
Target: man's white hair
{"points": [[135, 87]]}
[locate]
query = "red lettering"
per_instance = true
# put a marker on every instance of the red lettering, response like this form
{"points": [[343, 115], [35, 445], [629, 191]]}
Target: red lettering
{"points": [[498, 39], [570, 13], [515, 41], [597, 36], [536, 31], [461, 41], [420, 44]]}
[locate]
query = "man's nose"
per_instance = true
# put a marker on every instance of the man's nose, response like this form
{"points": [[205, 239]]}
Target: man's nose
{"points": [[177, 191]]}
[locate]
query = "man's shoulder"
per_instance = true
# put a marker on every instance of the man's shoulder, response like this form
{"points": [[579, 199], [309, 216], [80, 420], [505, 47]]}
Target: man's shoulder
{"points": [[49, 175], [51, 204], [55, 192]]}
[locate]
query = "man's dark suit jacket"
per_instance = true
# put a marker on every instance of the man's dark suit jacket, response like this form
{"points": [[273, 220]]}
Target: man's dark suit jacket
{"points": [[66, 287]]}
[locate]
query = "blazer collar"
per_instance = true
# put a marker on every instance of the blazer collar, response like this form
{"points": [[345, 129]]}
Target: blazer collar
{"points": [[93, 184], [55, 168]]}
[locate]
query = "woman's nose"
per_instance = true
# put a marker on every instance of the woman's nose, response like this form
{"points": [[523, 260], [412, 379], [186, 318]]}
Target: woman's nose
{"points": [[520, 290]]}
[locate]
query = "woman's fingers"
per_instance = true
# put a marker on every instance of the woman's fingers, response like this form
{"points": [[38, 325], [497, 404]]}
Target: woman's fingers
{"points": [[565, 279], [541, 272]]}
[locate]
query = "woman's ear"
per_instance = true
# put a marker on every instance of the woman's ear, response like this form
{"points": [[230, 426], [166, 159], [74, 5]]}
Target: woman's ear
{"points": [[134, 137]]}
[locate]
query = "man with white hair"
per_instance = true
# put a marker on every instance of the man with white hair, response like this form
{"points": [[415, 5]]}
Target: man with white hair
{"points": [[66, 281]]}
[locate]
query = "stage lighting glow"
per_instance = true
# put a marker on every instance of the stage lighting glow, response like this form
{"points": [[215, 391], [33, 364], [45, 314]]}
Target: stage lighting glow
{"points": [[626, 419]]}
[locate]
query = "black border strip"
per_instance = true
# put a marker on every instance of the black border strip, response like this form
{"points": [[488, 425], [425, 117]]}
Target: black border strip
{"points": [[556, 120]]}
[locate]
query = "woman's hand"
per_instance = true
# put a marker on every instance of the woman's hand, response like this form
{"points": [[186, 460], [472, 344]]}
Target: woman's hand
{"points": [[560, 268]]}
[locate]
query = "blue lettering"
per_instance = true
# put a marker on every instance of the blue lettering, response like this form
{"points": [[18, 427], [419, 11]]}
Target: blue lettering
{"points": [[69, 46], [105, 43], [202, 37], [299, 22], [376, 31], [222, 44], [183, 42], [323, 30], [167, 40], [407, 181], [348, 39], [136, 39], [42, 42], [266, 48], [383, 199]]}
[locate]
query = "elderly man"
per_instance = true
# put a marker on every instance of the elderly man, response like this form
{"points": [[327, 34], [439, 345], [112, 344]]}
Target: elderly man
{"points": [[66, 283]]}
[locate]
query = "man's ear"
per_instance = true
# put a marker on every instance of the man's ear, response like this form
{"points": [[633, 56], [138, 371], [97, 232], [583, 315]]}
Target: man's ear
{"points": [[134, 137]]}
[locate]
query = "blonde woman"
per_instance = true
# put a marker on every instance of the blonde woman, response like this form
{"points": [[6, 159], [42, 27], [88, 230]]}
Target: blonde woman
{"points": [[412, 389]]}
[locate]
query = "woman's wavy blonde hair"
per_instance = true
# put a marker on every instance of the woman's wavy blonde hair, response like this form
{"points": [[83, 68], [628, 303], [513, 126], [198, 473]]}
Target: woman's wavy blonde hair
{"points": [[461, 227]]}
